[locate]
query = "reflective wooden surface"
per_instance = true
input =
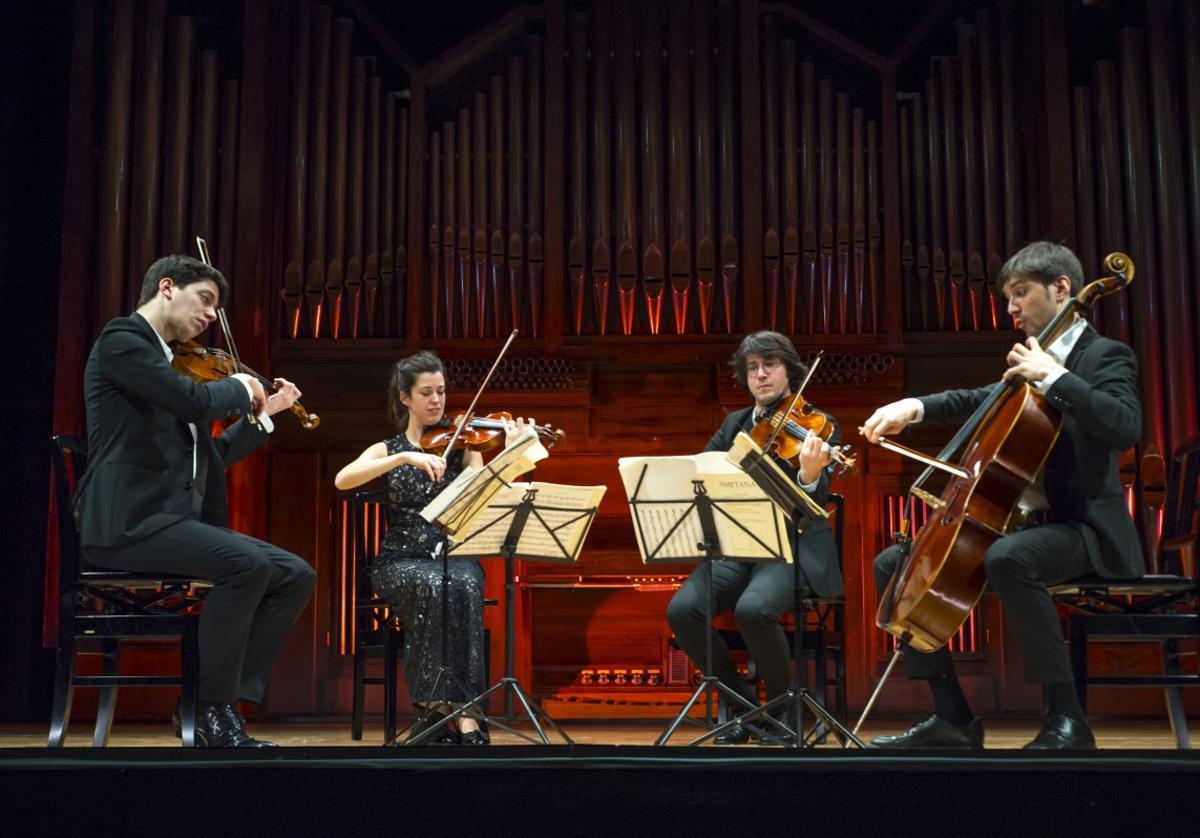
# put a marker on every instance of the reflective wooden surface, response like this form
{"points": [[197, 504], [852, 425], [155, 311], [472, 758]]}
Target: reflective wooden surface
{"points": [[999, 734]]}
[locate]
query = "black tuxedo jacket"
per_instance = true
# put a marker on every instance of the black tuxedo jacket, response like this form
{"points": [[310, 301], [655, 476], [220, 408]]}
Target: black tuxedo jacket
{"points": [[815, 549], [1102, 416], [139, 477]]}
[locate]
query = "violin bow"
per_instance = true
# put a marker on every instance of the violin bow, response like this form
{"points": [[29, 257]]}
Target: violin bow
{"points": [[470, 410], [202, 246]]}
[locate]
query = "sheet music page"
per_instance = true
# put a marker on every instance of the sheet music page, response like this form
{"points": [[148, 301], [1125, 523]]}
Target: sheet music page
{"points": [[560, 508], [763, 530], [666, 478], [785, 489], [763, 527], [469, 493]]}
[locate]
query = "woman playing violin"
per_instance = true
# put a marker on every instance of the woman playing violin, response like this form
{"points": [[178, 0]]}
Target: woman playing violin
{"points": [[767, 366], [408, 567]]}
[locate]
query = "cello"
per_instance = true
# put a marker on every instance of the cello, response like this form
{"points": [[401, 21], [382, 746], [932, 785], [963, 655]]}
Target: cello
{"points": [[1004, 445]]}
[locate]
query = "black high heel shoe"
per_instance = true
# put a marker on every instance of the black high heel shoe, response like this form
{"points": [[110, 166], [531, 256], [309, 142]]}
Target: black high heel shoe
{"points": [[479, 736], [445, 736]]}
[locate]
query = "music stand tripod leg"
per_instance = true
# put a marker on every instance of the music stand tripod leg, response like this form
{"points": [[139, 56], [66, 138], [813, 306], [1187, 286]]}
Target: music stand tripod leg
{"points": [[710, 682], [799, 697], [509, 684]]}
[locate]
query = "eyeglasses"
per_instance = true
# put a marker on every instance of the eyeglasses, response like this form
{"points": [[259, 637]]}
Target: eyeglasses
{"points": [[768, 367]]}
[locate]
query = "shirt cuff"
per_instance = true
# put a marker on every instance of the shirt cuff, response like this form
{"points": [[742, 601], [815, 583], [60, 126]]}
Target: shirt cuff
{"points": [[264, 421], [1046, 383], [809, 487], [919, 406]]}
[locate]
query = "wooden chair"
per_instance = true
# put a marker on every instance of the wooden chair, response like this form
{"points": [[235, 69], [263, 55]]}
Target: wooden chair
{"points": [[1162, 606], [99, 610], [377, 629], [378, 632]]}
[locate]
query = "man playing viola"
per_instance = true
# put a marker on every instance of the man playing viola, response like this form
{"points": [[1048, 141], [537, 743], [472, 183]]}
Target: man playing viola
{"points": [[767, 366], [1077, 525], [153, 497]]}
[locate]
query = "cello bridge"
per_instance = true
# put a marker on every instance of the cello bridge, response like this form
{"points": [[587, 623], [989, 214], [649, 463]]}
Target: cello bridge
{"points": [[928, 497]]}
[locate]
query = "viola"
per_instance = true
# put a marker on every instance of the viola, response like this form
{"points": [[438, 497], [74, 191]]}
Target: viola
{"points": [[210, 364], [481, 433], [782, 434]]}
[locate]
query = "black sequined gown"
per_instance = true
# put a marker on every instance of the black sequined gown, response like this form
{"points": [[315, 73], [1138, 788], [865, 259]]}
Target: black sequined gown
{"points": [[408, 576]]}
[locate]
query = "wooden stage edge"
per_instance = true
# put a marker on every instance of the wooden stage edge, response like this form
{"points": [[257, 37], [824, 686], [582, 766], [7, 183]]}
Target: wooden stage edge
{"points": [[1000, 735], [611, 784]]}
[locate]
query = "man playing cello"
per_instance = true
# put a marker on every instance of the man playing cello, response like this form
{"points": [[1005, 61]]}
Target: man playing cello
{"points": [[1079, 526]]}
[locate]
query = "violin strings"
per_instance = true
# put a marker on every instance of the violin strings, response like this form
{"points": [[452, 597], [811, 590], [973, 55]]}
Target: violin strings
{"points": [[804, 434]]}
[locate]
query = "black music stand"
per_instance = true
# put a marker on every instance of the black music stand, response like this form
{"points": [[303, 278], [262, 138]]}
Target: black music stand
{"points": [[518, 517], [709, 550], [787, 495], [423, 728]]}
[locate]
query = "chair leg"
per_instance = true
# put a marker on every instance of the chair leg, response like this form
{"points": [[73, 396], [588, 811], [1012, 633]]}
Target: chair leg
{"points": [[389, 684], [840, 670], [110, 667], [840, 659], [360, 689], [1175, 709], [1079, 661], [820, 666], [189, 678], [64, 676]]}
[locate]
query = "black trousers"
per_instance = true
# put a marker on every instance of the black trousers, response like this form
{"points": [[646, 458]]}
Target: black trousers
{"points": [[759, 594], [1018, 567], [258, 591]]}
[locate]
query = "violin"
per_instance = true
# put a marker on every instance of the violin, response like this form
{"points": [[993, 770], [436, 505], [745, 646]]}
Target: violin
{"points": [[205, 364], [210, 364], [481, 433], [783, 433]]}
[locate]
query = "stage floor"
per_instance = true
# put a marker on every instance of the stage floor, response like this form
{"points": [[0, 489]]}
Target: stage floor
{"points": [[1000, 734], [611, 784]]}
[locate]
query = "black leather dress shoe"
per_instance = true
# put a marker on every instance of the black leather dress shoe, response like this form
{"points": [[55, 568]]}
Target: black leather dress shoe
{"points": [[934, 732], [736, 735], [475, 737], [1063, 733], [221, 726]]}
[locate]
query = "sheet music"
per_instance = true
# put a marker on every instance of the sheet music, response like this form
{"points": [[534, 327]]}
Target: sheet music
{"points": [[555, 530], [758, 529], [777, 484], [470, 492]]}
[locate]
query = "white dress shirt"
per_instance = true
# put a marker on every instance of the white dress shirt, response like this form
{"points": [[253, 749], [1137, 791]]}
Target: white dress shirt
{"points": [[1060, 350]]}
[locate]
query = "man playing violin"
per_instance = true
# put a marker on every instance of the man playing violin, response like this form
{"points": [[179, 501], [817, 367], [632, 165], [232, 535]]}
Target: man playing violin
{"points": [[767, 365], [1078, 526], [153, 496]]}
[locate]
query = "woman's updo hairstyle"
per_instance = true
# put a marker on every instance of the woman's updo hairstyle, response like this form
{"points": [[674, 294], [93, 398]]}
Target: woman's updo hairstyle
{"points": [[404, 376]]}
